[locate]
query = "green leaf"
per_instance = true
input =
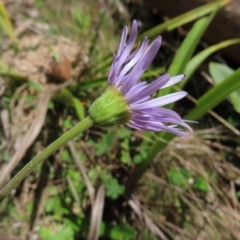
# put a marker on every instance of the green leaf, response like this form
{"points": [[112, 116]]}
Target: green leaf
{"points": [[198, 59], [118, 232], [219, 72], [94, 83], [66, 97], [201, 184], [113, 188], [189, 44], [123, 231], [125, 157], [124, 132], [238, 194], [83, 20], [174, 23], [9, 71], [34, 85], [64, 155], [5, 22], [215, 95], [178, 176], [105, 144], [65, 233], [184, 18]]}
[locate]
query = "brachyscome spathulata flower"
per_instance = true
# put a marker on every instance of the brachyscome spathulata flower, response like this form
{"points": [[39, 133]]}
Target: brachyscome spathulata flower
{"points": [[128, 100]]}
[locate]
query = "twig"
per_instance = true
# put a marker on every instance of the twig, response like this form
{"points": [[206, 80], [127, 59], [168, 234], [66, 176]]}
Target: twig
{"points": [[96, 216], [135, 205]]}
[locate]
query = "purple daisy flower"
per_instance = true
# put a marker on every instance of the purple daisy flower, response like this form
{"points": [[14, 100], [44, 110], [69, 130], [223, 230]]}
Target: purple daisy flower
{"points": [[134, 105]]}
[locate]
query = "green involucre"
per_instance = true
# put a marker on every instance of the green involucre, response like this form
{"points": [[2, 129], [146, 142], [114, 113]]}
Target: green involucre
{"points": [[109, 109]]}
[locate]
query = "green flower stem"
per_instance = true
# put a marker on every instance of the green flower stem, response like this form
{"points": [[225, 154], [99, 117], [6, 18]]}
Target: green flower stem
{"points": [[73, 132]]}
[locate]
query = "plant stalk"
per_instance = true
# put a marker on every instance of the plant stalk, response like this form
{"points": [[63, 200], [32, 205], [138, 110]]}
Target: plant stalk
{"points": [[26, 170]]}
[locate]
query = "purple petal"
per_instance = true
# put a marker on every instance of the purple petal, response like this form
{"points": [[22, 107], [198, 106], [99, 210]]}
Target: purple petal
{"points": [[142, 65], [160, 112], [125, 53], [136, 87], [145, 125], [174, 80], [150, 89], [122, 41], [158, 102], [143, 99], [133, 62]]}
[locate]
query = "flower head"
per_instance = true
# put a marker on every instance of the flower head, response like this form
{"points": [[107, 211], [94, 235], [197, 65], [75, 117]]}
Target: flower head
{"points": [[127, 100]]}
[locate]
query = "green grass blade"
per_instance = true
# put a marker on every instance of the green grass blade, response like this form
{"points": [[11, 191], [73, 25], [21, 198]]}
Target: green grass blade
{"points": [[184, 18], [66, 97], [188, 47], [215, 95], [94, 83], [9, 71], [196, 61], [189, 44], [5, 22], [185, 52], [175, 23]]}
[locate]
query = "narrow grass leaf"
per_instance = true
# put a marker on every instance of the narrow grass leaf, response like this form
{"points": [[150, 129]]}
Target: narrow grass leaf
{"points": [[188, 47], [171, 25], [5, 22], [189, 44], [185, 52], [10, 72], [66, 97], [197, 60], [93, 83], [184, 18]]}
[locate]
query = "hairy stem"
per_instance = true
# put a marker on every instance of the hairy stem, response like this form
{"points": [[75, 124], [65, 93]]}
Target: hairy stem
{"points": [[25, 171]]}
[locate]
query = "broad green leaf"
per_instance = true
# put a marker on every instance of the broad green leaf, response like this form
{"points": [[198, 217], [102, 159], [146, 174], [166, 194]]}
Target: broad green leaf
{"points": [[219, 72], [184, 18], [118, 231], [5, 22], [196, 61], [215, 95]]}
